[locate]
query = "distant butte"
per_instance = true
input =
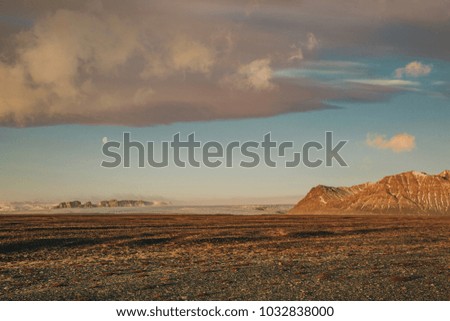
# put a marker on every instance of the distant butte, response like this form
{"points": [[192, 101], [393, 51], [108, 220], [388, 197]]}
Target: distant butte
{"points": [[406, 193], [109, 203]]}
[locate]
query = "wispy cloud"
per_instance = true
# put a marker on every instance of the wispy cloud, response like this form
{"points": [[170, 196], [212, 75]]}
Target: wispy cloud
{"points": [[399, 143], [297, 54], [312, 42], [385, 82]]}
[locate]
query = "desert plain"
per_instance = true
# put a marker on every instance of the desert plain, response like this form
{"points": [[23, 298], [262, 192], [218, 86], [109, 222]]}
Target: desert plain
{"points": [[224, 257]]}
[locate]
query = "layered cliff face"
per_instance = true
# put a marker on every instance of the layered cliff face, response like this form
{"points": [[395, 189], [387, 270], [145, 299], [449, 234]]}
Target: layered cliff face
{"points": [[405, 193]]}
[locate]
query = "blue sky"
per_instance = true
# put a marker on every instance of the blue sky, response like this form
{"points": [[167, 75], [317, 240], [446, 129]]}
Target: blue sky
{"points": [[63, 162], [237, 72]]}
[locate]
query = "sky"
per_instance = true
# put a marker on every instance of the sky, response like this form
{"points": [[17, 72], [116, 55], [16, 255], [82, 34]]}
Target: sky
{"points": [[76, 74]]}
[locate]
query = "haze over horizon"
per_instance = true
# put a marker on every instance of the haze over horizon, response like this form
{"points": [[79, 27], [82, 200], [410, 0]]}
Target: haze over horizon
{"points": [[74, 74]]}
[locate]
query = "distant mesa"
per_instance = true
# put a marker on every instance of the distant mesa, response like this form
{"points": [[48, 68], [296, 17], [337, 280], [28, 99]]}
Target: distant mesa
{"points": [[406, 193], [109, 203]]}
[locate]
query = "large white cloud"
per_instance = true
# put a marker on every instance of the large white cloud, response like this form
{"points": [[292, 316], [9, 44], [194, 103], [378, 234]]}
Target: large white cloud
{"points": [[413, 69], [255, 75], [145, 63], [179, 55], [58, 61]]}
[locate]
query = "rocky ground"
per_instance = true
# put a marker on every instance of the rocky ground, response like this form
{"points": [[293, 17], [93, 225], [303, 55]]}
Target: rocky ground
{"points": [[198, 257]]}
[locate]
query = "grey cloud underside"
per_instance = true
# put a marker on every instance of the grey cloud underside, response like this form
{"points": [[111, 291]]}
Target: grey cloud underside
{"points": [[227, 106], [142, 63]]}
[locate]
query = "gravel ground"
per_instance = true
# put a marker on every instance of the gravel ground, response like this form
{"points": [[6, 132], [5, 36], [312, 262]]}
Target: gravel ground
{"points": [[220, 257]]}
